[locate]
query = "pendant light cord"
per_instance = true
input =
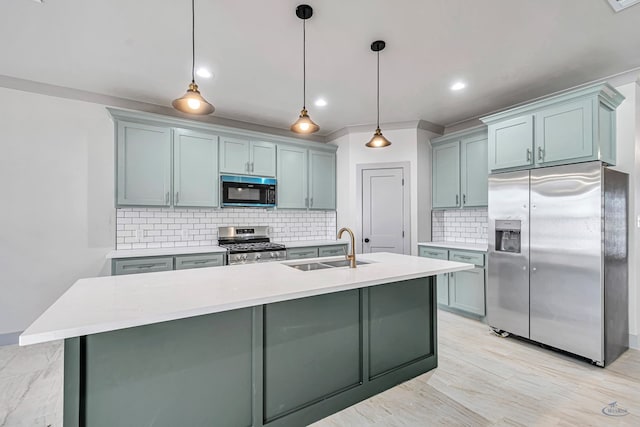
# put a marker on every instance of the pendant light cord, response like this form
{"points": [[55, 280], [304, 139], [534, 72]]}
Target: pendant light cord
{"points": [[378, 97], [193, 42], [304, 64]]}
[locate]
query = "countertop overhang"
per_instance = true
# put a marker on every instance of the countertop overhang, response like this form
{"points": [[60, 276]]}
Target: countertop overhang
{"points": [[104, 304]]}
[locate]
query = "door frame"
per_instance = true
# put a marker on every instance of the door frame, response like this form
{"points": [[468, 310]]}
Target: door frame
{"points": [[406, 170]]}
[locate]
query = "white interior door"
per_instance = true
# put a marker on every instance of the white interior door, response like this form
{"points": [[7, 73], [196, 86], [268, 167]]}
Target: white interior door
{"points": [[383, 210]]}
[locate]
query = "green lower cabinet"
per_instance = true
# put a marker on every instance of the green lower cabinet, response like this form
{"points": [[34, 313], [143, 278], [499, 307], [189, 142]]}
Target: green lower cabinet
{"points": [[333, 250], [284, 364], [463, 291], [391, 343], [442, 286], [141, 265], [184, 262], [301, 253], [191, 372], [467, 291], [297, 339], [166, 263]]}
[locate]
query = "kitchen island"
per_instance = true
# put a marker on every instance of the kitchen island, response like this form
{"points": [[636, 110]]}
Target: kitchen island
{"points": [[245, 345]]}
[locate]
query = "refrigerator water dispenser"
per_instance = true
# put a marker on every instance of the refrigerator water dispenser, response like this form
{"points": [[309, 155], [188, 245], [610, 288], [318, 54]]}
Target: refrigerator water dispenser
{"points": [[508, 235]]}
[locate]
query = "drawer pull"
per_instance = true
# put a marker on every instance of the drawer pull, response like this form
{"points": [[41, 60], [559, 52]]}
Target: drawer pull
{"points": [[463, 257], [141, 266]]}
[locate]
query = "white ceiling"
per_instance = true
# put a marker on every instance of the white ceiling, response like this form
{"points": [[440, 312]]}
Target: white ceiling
{"points": [[507, 51]]}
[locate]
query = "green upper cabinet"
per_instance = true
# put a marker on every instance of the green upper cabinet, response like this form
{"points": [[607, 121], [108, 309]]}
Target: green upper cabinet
{"points": [[262, 156], [306, 178], [511, 143], [446, 175], [459, 169], [195, 169], [244, 157], [143, 165], [577, 126], [564, 132], [322, 180], [473, 171], [292, 177]]}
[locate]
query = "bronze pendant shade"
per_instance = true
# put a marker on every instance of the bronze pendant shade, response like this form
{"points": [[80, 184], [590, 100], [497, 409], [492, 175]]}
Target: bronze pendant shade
{"points": [[304, 124], [378, 140], [192, 102]]}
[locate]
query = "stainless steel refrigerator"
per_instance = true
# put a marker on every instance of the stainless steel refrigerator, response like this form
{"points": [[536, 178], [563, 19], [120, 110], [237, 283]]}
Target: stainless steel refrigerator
{"points": [[557, 270]]}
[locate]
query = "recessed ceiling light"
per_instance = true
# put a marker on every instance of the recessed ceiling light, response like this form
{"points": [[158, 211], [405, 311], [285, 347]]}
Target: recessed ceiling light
{"points": [[203, 72], [458, 86], [320, 102]]}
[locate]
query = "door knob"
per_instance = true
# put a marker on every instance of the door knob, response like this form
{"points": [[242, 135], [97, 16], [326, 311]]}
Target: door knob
{"points": [[366, 240]]}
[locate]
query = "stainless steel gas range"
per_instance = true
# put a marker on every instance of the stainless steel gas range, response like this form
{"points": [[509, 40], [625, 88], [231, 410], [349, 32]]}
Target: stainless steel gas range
{"points": [[249, 245]]}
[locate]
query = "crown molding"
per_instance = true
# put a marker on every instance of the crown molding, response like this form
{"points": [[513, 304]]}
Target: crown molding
{"points": [[412, 124], [145, 107]]}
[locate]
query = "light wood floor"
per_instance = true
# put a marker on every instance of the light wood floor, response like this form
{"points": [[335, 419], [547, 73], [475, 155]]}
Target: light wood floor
{"points": [[481, 380], [486, 380]]}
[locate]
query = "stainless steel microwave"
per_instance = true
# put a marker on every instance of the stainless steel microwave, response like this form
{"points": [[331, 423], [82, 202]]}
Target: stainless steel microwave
{"points": [[248, 191]]}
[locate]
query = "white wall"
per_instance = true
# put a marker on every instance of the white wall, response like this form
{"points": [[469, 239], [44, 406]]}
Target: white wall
{"points": [[404, 148], [628, 157], [57, 216]]}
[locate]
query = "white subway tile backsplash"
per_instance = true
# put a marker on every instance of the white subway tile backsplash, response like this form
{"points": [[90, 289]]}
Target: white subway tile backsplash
{"points": [[141, 228], [460, 225]]}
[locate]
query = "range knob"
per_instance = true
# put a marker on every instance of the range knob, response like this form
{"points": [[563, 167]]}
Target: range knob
{"points": [[244, 257], [257, 256], [273, 255]]}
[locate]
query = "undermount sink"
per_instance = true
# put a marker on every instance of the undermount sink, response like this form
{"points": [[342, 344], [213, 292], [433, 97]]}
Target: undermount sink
{"points": [[343, 263], [309, 266]]}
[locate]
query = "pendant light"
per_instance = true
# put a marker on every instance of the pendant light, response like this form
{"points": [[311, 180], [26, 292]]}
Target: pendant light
{"points": [[304, 124], [192, 102], [378, 140]]}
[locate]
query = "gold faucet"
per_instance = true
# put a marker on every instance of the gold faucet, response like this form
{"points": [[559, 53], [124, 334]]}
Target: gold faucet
{"points": [[352, 256]]}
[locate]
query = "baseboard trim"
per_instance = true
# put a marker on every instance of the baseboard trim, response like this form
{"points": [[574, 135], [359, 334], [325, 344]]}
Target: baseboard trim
{"points": [[9, 339], [633, 342]]}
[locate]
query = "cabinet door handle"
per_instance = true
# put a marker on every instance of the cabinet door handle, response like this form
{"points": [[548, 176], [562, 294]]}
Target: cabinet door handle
{"points": [[456, 199], [540, 153], [306, 202], [311, 202], [464, 199], [252, 167], [166, 198], [177, 197], [246, 166], [528, 154]]}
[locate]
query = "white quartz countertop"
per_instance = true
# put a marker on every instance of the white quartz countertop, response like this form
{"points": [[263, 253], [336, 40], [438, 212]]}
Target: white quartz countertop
{"points": [[480, 247], [103, 304], [307, 243], [182, 250]]}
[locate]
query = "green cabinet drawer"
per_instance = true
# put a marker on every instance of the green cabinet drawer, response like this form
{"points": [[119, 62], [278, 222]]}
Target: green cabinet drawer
{"points": [[332, 250], [429, 252], [300, 253], [468, 257], [184, 262], [141, 265]]}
